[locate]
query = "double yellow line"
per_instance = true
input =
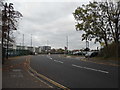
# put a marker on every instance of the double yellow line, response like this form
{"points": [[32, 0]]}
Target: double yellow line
{"points": [[44, 77]]}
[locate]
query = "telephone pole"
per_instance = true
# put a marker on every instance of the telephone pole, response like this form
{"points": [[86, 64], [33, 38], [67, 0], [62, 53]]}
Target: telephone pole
{"points": [[23, 41], [67, 43], [87, 45], [47, 42], [31, 42]]}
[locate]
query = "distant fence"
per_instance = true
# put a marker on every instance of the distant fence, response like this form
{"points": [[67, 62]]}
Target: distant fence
{"points": [[17, 52]]}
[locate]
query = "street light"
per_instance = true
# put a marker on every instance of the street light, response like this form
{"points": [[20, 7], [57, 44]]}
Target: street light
{"points": [[87, 45], [31, 42], [23, 41], [67, 44]]}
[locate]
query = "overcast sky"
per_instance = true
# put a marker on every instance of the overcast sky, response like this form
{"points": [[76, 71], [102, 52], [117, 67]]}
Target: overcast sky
{"points": [[49, 22]]}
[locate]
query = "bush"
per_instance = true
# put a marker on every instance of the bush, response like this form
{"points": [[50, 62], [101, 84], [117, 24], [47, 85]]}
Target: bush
{"points": [[110, 51]]}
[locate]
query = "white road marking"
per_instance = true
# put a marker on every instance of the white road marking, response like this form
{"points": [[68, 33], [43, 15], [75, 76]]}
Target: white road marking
{"points": [[90, 68], [51, 58], [58, 61], [48, 56]]}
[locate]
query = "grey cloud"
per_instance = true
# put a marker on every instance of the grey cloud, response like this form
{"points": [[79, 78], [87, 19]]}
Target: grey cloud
{"points": [[49, 21]]}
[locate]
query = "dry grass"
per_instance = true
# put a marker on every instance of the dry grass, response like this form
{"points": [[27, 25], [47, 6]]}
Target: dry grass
{"points": [[102, 58]]}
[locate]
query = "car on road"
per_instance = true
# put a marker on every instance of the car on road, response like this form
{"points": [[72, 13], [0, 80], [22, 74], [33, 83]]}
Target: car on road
{"points": [[91, 54]]}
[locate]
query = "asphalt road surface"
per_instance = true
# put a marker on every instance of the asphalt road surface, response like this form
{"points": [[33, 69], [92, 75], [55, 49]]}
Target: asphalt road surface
{"points": [[73, 73]]}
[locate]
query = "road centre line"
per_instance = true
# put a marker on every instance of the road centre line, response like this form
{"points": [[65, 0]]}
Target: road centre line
{"points": [[58, 61], [90, 68]]}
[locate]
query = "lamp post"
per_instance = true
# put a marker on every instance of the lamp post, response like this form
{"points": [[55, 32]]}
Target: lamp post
{"points": [[67, 44], [87, 45], [23, 42], [31, 42]]}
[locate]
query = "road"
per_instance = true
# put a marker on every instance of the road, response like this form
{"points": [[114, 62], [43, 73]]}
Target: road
{"points": [[74, 73]]}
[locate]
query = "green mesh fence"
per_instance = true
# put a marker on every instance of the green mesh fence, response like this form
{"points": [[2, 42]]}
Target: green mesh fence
{"points": [[17, 52]]}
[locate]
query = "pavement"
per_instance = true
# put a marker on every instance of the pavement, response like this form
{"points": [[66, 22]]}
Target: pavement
{"points": [[15, 75]]}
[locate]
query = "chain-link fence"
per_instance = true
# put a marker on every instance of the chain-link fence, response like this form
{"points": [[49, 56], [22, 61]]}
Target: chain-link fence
{"points": [[17, 52]]}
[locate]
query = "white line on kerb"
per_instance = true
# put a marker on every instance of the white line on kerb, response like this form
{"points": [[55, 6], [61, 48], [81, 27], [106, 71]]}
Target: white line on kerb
{"points": [[90, 68], [58, 61]]}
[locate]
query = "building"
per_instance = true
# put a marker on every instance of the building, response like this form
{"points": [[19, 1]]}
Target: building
{"points": [[30, 49], [39, 49], [45, 48]]}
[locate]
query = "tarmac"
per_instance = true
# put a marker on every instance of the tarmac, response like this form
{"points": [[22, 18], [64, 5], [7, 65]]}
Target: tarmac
{"points": [[16, 75], [93, 60]]}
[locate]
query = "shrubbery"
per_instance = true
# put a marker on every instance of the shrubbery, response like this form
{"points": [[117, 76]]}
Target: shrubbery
{"points": [[110, 51]]}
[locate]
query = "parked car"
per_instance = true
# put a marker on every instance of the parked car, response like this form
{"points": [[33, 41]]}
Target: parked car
{"points": [[91, 54], [78, 53], [36, 53]]}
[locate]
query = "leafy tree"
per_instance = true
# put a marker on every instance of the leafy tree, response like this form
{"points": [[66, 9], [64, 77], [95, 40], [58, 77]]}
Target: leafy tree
{"points": [[10, 19], [1, 6], [99, 20], [60, 50]]}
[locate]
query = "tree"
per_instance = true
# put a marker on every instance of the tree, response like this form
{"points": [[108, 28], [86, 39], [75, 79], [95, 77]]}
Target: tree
{"points": [[99, 21], [1, 6], [60, 51], [10, 19]]}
